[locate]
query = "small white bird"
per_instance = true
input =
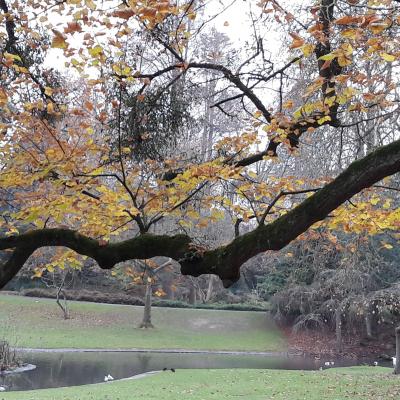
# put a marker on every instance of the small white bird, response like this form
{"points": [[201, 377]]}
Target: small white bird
{"points": [[375, 363], [327, 363], [106, 378], [394, 361], [332, 363], [2, 389], [110, 378]]}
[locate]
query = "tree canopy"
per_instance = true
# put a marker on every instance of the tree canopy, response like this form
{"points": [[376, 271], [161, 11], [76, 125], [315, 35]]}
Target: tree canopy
{"points": [[129, 129]]}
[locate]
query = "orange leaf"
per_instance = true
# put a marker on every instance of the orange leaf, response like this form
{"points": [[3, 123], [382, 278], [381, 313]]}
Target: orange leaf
{"points": [[73, 27], [124, 14], [348, 19]]}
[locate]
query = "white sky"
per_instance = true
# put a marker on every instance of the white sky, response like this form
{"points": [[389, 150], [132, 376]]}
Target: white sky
{"points": [[235, 22]]}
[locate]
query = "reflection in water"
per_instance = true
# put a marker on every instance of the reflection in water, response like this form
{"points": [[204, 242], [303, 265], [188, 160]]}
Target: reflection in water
{"points": [[72, 369]]}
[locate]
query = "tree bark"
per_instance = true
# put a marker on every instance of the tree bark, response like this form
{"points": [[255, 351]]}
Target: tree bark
{"points": [[368, 325], [60, 290], [192, 294], [146, 322], [338, 323], [210, 288], [64, 307], [397, 366]]}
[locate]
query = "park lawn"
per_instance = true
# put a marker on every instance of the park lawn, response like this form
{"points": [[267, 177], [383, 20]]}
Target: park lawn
{"points": [[37, 323], [335, 384]]}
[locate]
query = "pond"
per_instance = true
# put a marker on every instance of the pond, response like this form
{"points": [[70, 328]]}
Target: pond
{"points": [[58, 369]]}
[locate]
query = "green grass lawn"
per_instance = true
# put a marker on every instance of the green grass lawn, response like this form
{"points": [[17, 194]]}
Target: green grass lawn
{"points": [[29, 322], [334, 384]]}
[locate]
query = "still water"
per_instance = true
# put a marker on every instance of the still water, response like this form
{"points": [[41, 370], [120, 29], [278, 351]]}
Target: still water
{"points": [[72, 369]]}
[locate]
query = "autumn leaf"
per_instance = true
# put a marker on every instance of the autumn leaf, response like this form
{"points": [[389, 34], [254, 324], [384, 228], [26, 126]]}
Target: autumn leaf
{"points": [[59, 40], [48, 91], [73, 27], [297, 41], [90, 4], [124, 14], [95, 51], [348, 19], [388, 57], [307, 49], [3, 97]]}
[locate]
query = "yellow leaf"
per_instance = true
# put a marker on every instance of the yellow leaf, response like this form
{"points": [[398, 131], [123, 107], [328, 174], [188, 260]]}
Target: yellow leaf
{"points": [[90, 4], [374, 201], [388, 57], [288, 104], [307, 49], [343, 61], [94, 51], [12, 56], [327, 57], [323, 119], [50, 108], [48, 91], [37, 273]]}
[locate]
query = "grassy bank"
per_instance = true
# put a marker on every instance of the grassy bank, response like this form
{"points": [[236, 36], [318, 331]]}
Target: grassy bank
{"points": [[29, 322], [346, 383]]}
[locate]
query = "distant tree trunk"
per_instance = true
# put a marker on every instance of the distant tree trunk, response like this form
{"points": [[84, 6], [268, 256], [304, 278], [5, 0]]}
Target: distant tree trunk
{"points": [[368, 325], [146, 322], [168, 288], [397, 366], [338, 322], [192, 294], [64, 307], [210, 288], [60, 290]]}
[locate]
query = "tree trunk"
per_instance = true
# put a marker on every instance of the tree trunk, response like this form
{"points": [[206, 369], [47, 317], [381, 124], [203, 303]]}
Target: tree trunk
{"points": [[210, 288], [338, 321], [146, 322], [368, 325], [397, 366], [64, 307], [192, 294]]}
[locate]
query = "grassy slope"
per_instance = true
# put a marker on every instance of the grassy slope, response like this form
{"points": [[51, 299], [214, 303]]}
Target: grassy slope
{"points": [[27, 322], [347, 383]]}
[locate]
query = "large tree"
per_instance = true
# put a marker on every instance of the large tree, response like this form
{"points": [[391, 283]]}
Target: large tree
{"points": [[69, 173]]}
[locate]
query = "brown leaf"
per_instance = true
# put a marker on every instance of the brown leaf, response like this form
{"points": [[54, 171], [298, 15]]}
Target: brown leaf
{"points": [[124, 14], [73, 27]]}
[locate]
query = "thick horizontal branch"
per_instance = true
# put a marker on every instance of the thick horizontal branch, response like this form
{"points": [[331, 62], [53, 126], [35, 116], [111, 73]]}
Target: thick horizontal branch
{"points": [[224, 261]]}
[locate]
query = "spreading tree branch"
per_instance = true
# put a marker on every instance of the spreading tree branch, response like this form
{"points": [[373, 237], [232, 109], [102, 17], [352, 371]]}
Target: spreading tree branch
{"points": [[224, 261]]}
